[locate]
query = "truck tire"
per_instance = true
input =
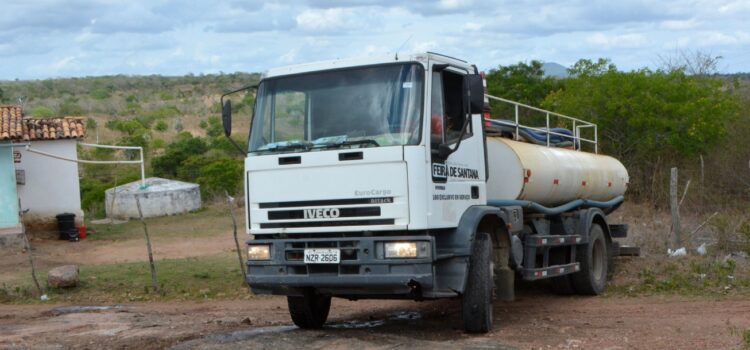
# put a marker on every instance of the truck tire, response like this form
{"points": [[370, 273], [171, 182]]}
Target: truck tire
{"points": [[594, 260], [309, 311], [476, 302]]}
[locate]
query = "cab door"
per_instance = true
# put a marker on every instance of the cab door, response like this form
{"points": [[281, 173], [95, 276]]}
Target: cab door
{"points": [[458, 180]]}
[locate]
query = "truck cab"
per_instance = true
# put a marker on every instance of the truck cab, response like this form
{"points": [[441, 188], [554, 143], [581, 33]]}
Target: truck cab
{"points": [[367, 178]]}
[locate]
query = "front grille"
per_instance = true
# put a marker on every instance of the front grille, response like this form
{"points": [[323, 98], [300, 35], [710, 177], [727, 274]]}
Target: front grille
{"points": [[327, 202], [342, 213], [329, 223]]}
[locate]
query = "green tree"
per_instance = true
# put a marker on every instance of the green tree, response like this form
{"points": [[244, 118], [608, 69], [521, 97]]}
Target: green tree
{"points": [[214, 128], [134, 133], [42, 112], [176, 153], [101, 94], [645, 117], [70, 107], [221, 174], [587, 67], [646, 113], [521, 82]]}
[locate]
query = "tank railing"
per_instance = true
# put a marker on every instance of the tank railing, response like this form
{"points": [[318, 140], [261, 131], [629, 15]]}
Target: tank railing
{"points": [[578, 124]]}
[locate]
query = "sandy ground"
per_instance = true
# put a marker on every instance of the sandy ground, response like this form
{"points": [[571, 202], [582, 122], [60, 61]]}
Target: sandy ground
{"points": [[50, 253], [536, 321]]}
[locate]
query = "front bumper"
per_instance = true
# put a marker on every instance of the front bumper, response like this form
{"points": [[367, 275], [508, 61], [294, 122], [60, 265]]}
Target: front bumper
{"points": [[363, 270]]}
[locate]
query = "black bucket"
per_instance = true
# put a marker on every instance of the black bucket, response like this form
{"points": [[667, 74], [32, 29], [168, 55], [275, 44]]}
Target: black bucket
{"points": [[66, 224]]}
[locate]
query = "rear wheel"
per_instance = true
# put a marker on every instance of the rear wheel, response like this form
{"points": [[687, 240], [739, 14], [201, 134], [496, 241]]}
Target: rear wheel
{"points": [[476, 301], [594, 260], [309, 311]]}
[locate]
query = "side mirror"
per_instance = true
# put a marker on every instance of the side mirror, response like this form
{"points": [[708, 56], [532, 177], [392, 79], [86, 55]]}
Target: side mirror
{"points": [[474, 94], [226, 117]]}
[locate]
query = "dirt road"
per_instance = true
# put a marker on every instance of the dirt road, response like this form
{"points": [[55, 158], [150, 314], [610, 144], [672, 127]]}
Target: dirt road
{"points": [[533, 321]]}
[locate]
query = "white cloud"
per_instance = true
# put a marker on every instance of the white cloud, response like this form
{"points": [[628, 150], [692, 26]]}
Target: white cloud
{"points": [[50, 38], [454, 4], [290, 56], [327, 19], [679, 24], [617, 40], [472, 26]]}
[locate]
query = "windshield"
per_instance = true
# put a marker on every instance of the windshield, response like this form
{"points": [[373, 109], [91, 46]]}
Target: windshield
{"points": [[373, 106]]}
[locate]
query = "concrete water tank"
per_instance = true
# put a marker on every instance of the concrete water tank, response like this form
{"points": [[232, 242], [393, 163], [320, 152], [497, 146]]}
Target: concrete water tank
{"points": [[159, 197]]}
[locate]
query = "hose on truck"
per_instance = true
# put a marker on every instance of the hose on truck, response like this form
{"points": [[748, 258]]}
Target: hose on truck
{"points": [[608, 206]]}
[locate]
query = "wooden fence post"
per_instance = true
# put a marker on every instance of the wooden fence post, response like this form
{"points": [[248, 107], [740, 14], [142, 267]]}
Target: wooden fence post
{"points": [[148, 246], [702, 177], [675, 207], [230, 201]]}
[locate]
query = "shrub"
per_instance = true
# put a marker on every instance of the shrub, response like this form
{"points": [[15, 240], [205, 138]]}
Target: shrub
{"points": [[157, 144], [70, 107], [91, 123], [222, 174], [177, 152], [161, 126], [42, 112], [93, 192], [165, 112], [100, 94]]}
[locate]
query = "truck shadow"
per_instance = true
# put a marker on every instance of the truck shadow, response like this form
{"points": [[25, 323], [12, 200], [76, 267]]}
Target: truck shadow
{"points": [[440, 320], [429, 324]]}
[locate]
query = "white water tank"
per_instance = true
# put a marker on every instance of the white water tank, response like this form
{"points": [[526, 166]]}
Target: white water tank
{"points": [[158, 197], [551, 176]]}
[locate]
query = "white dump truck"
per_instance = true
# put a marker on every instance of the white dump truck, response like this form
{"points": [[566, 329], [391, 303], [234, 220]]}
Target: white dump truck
{"points": [[385, 177]]}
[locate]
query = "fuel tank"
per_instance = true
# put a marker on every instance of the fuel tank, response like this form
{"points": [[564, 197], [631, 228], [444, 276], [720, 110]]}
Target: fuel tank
{"points": [[551, 176]]}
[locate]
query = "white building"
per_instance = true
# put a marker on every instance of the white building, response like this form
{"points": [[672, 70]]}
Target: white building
{"points": [[45, 186]]}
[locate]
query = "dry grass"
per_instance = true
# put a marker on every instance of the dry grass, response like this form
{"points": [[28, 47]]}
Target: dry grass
{"points": [[724, 270]]}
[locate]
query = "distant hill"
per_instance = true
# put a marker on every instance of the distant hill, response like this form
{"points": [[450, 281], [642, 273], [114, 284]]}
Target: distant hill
{"points": [[552, 69]]}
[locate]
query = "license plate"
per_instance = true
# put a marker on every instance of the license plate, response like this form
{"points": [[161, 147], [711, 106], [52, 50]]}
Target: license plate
{"points": [[322, 256]]}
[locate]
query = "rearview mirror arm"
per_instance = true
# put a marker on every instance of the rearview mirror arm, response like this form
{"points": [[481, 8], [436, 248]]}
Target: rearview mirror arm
{"points": [[221, 101], [236, 91]]}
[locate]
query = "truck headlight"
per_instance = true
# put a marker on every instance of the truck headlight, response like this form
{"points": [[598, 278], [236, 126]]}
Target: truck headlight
{"points": [[259, 252], [406, 250]]}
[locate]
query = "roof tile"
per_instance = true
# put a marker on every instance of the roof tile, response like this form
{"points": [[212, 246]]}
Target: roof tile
{"points": [[15, 126]]}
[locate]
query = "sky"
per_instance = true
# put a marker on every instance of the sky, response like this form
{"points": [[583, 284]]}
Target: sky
{"points": [[42, 39]]}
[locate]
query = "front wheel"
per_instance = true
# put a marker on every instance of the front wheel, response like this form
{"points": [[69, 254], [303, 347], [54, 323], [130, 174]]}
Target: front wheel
{"points": [[476, 301], [309, 311]]}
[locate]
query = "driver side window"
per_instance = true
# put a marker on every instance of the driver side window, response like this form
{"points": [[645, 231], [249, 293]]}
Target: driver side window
{"points": [[447, 116]]}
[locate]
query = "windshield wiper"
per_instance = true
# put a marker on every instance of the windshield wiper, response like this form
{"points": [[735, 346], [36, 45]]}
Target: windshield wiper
{"points": [[289, 146], [349, 143]]}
